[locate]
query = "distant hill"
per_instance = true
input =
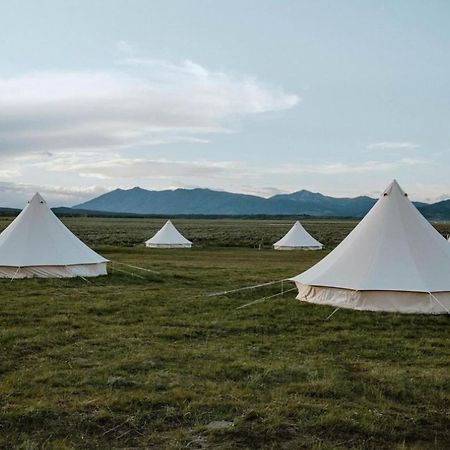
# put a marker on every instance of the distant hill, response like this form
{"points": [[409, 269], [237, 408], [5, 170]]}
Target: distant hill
{"points": [[179, 201], [210, 202], [312, 203], [9, 211], [138, 202], [64, 211], [436, 211]]}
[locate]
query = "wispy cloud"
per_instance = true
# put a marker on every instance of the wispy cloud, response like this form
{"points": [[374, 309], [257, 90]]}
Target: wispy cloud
{"points": [[9, 173], [140, 103], [262, 191], [334, 168], [16, 194], [393, 146], [115, 170], [117, 167]]}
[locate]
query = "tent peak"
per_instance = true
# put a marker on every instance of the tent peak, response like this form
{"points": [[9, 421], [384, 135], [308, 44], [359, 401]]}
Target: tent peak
{"points": [[37, 198], [394, 188]]}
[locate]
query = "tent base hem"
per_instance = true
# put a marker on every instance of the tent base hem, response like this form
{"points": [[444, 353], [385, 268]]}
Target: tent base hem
{"points": [[56, 271], [387, 301]]}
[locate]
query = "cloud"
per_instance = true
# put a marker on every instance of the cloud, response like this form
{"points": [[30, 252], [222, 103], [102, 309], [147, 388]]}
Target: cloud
{"points": [[117, 171], [415, 162], [439, 198], [335, 168], [9, 173], [142, 102], [17, 194], [127, 48], [393, 146], [262, 191], [116, 166], [94, 165]]}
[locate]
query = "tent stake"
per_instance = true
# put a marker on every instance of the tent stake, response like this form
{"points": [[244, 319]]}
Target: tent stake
{"points": [[135, 267], [333, 313], [15, 273], [439, 303], [259, 300], [215, 294], [130, 273]]}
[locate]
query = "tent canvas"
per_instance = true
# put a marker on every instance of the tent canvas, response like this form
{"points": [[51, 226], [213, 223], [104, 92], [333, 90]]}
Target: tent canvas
{"points": [[38, 244], [394, 260], [297, 238], [168, 237]]}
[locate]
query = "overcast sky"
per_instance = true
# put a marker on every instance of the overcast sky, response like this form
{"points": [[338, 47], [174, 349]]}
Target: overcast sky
{"points": [[251, 96]]}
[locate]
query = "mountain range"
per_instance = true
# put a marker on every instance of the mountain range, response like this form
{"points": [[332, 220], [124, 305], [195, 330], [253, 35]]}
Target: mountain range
{"points": [[210, 202]]}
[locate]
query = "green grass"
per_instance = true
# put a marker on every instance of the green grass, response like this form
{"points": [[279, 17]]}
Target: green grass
{"points": [[125, 362]]}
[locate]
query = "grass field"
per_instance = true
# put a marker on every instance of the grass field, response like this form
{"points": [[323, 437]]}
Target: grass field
{"points": [[152, 362]]}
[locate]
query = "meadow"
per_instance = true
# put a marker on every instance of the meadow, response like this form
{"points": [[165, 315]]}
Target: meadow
{"points": [[149, 360]]}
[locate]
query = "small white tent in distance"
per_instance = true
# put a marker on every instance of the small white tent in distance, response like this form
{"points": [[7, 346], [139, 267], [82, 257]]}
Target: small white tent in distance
{"points": [[168, 237], [37, 244], [297, 238], [394, 260]]}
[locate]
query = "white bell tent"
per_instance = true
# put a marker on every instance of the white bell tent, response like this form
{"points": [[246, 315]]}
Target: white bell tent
{"points": [[394, 260], [37, 244], [297, 238], [168, 237]]}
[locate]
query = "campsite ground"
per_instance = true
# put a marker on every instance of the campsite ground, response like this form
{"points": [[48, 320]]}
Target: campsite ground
{"points": [[128, 362]]}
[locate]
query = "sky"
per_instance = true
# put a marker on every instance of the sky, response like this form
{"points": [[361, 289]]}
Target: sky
{"points": [[255, 96]]}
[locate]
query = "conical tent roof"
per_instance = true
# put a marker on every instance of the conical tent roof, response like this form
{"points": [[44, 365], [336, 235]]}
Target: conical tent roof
{"points": [[297, 237], [394, 248], [168, 236], [37, 237]]}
